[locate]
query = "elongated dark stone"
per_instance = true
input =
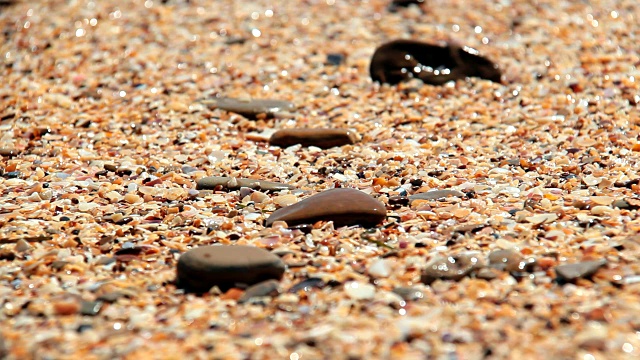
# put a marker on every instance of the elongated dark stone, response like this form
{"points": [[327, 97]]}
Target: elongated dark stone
{"points": [[401, 60], [344, 207], [322, 138]]}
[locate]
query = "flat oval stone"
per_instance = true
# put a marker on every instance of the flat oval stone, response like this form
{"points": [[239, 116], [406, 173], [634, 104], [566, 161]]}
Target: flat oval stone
{"points": [[345, 207], [230, 183], [250, 108], [201, 268], [449, 268], [322, 138], [436, 194], [402, 60], [571, 272]]}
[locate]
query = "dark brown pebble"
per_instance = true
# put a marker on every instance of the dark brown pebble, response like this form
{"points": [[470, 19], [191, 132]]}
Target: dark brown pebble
{"points": [[345, 207], [627, 184], [111, 167], [322, 138], [201, 268], [124, 220], [136, 250], [6, 254], [572, 272], [398, 200], [401, 60], [265, 288], [123, 172], [251, 108], [213, 182]]}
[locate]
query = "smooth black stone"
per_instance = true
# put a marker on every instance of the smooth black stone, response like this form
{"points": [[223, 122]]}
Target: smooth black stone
{"points": [[402, 60]]}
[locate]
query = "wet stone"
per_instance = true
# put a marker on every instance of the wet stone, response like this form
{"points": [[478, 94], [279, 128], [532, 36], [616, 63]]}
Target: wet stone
{"points": [[571, 272], [231, 184], [435, 194], [398, 200], [449, 268], [345, 207], [402, 60], [265, 288], [251, 108], [204, 267], [322, 138], [111, 167]]}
